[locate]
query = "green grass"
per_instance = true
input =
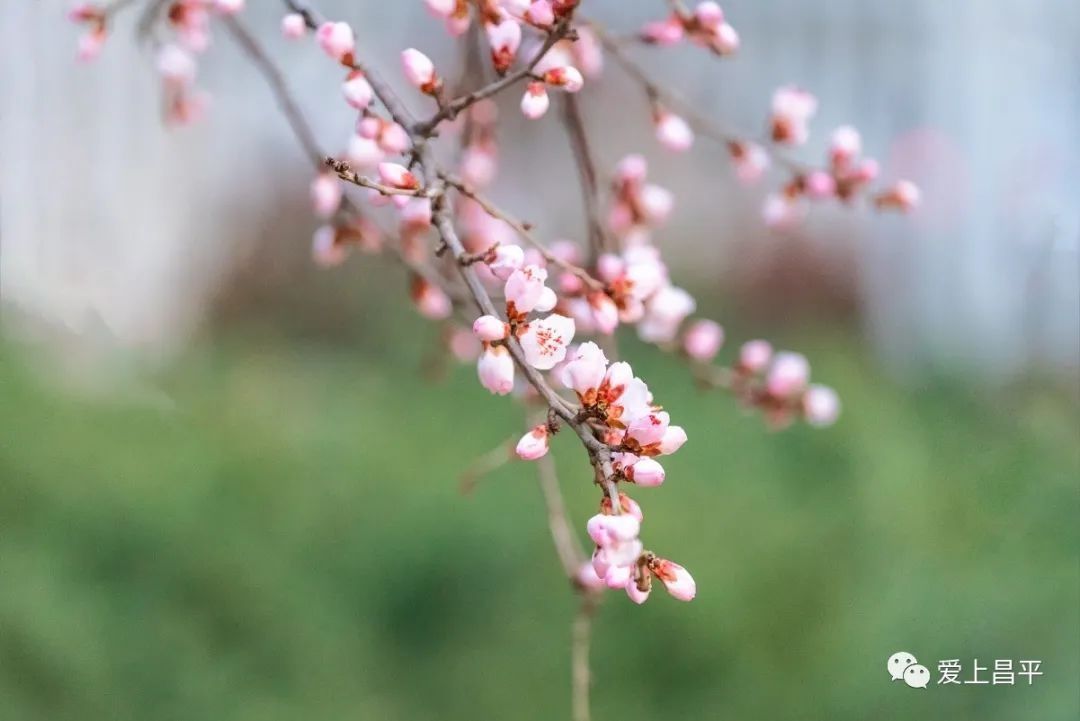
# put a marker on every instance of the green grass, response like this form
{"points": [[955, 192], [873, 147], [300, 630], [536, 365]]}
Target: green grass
{"points": [[284, 539]]}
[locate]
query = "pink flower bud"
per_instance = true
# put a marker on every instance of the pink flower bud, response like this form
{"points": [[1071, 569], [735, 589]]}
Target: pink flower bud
{"points": [[495, 368], [525, 287], [605, 313], [90, 44], [648, 429], [618, 576], [755, 355], [533, 444], [587, 577], [673, 440], [441, 8], [845, 145], [176, 65], [229, 7], [792, 109], [431, 302], [293, 26], [541, 13], [781, 212], [632, 169], [751, 161], [673, 132], [566, 77], [398, 176], [607, 530], [656, 203], [703, 339], [357, 90], [821, 406], [631, 506], [505, 39], [788, 375], [635, 593], [709, 14], [545, 340], [677, 579], [903, 196], [419, 70], [663, 32], [393, 138], [337, 40], [325, 194], [725, 40], [508, 258], [646, 472], [489, 328], [584, 372], [326, 252], [363, 153], [819, 185], [535, 101]]}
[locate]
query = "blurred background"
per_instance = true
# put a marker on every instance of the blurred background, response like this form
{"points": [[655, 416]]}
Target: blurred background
{"points": [[227, 485]]}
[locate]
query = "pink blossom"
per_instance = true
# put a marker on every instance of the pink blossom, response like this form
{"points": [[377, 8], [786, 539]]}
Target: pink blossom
{"points": [[646, 472], [673, 440], [585, 370], [629, 505], [489, 328], [845, 144], [819, 185], [648, 429], [325, 194], [664, 312], [441, 8], [792, 109], [587, 577], [673, 132], [821, 406], [725, 40], [90, 44], [677, 580], [605, 313], [535, 101], [636, 593], [337, 40], [782, 212], [618, 576], [663, 32], [656, 203], [506, 258], [703, 339], [293, 26], [709, 14], [325, 250], [903, 195], [176, 65], [751, 161], [363, 153], [540, 13], [229, 7], [495, 368], [607, 530], [755, 355], [545, 340], [357, 90], [567, 78], [505, 39], [632, 169], [398, 176], [524, 288], [533, 444], [419, 70], [431, 302], [393, 138], [788, 374], [548, 301]]}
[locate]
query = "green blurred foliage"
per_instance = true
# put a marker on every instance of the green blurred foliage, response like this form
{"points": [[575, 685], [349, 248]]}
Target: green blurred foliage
{"points": [[277, 533]]}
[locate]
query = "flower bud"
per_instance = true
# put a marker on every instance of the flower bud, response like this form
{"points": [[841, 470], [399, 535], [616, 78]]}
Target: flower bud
{"points": [[419, 70], [566, 77], [535, 101], [293, 26], [755, 355], [673, 440], [821, 406], [325, 194], [533, 444], [646, 472], [337, 40], [788, 375], [489, 328], [607, 530], [541, 13], [703, 339], [398, 176], [673, 132], [677, 580], [495, 369], [357, 90]]}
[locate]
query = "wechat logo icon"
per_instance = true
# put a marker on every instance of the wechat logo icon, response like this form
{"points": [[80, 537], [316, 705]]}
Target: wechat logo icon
{"points": [[903, 666]]}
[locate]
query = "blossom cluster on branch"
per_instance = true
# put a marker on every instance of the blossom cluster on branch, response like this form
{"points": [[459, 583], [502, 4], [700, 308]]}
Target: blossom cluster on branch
{"points": [[539, 317]]}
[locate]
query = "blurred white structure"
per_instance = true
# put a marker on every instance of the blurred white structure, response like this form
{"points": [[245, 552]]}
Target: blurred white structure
{"points": [[110, 221]]}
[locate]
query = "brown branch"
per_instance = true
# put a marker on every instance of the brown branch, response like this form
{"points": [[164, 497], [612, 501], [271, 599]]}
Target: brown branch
{"points": [[454, 107], [580, 640], [346, 173], [583, 158], [523, 230]]}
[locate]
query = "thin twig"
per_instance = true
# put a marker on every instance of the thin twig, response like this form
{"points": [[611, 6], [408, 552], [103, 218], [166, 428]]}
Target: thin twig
{"points": [[580, 640], [523, 230], [484, 464], [566, 545], [583, 158], [346, 173]]}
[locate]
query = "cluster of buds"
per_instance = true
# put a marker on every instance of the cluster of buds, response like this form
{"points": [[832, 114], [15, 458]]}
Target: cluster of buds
{"points": [[778, 384], [704, 26], [549, 74]]}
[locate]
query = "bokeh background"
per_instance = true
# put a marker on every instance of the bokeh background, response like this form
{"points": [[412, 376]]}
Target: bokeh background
{"points": [[229, 482]]}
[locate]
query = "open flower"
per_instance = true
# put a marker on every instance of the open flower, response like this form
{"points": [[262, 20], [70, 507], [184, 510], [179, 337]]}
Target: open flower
{"points": [[544, 341]]}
